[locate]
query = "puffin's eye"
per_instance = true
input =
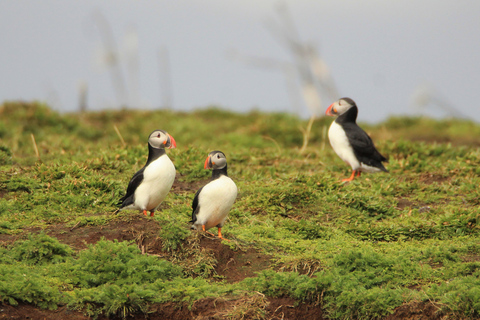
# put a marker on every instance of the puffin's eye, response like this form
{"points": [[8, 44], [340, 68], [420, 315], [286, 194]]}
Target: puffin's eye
{"points": [[218, 156], [158, 135]]}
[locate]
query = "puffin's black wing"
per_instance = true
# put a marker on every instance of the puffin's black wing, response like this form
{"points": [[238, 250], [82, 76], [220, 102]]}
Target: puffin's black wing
{"points": [[363, 146], [195, 206], [128, 198]]}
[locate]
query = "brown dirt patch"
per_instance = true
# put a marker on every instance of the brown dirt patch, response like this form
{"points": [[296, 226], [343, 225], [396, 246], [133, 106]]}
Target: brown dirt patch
{"points": [[256, 307], [417, 311], [404, 203], [137, 227], [471, 258], [180, 186], [285, 308], [26, 311], [429, 178], [232, 265], [235, 265], [272, 309]]}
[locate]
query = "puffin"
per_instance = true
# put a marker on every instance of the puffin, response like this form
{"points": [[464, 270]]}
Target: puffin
{"points": [[150, 185], [214, 200], [350, 142]]}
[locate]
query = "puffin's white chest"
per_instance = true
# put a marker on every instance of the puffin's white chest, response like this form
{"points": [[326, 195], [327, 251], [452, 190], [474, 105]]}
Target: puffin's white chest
{"points": [[158, 178], [215, 201], [341, 145]]}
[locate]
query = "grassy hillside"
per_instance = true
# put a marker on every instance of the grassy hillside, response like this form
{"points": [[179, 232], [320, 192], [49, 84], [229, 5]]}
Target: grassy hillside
{"points": [[380, 246]]}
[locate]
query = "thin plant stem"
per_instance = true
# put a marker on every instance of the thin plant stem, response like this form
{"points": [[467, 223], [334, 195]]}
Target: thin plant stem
{"points": [[35, 147], [119, 135]]}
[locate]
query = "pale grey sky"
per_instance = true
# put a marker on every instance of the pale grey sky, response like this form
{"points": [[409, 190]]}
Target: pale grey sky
{"points": [[379, 52]]}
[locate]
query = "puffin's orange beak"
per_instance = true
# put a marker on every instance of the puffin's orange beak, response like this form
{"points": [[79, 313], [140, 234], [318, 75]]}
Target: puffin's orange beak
{"points": [[331, 110], [173, 144], [207, 163]]}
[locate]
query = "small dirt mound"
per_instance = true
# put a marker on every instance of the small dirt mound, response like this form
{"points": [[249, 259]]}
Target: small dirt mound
{"points": [[143, 230], [180, 186], [286, 308], [26, 311], [235, 265], [417, 311]]}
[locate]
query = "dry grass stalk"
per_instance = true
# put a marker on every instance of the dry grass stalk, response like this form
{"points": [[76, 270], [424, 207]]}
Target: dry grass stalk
{"points": [[35, 147], [119, 135]]}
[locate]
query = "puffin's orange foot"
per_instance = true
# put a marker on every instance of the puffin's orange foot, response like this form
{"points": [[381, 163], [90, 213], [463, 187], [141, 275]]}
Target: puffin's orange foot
{"points": [[207, 232], [151, 213], [352, 176], [220, 234], [145, 212]]}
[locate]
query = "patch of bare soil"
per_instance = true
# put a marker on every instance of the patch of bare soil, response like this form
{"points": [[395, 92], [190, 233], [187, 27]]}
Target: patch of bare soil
{"points": [[404, 203], [422, 207], [256, 307], [213, 309], [417, 311], [285, 308], [143, 230], [429, 178], [471, 258], [232, 265], [26, 311], [235, 265], [180, 186]]}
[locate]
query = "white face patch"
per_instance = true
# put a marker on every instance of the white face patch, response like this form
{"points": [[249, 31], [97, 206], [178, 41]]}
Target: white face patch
{"points": [[342, 106], [218, 160], [157, 139]]}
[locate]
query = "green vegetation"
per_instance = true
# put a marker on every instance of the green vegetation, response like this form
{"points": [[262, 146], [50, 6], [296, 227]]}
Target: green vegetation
{"points": [[359, 250]]}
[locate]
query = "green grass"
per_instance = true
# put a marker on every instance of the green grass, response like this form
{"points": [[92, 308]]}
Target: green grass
{"points": [[359, 249]]}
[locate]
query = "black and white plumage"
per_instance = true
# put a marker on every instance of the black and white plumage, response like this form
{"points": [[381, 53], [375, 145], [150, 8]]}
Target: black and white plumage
{"points": [[151, 184], [214, 200], [350, 142]]}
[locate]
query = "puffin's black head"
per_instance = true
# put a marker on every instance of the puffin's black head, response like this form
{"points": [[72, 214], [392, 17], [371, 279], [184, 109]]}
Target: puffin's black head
{"points": [[160, 139], [340, 107], [216, 160]]}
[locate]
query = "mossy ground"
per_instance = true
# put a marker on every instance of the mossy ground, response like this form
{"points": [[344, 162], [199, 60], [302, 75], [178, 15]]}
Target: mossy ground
{"points": [[302, 243]]}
